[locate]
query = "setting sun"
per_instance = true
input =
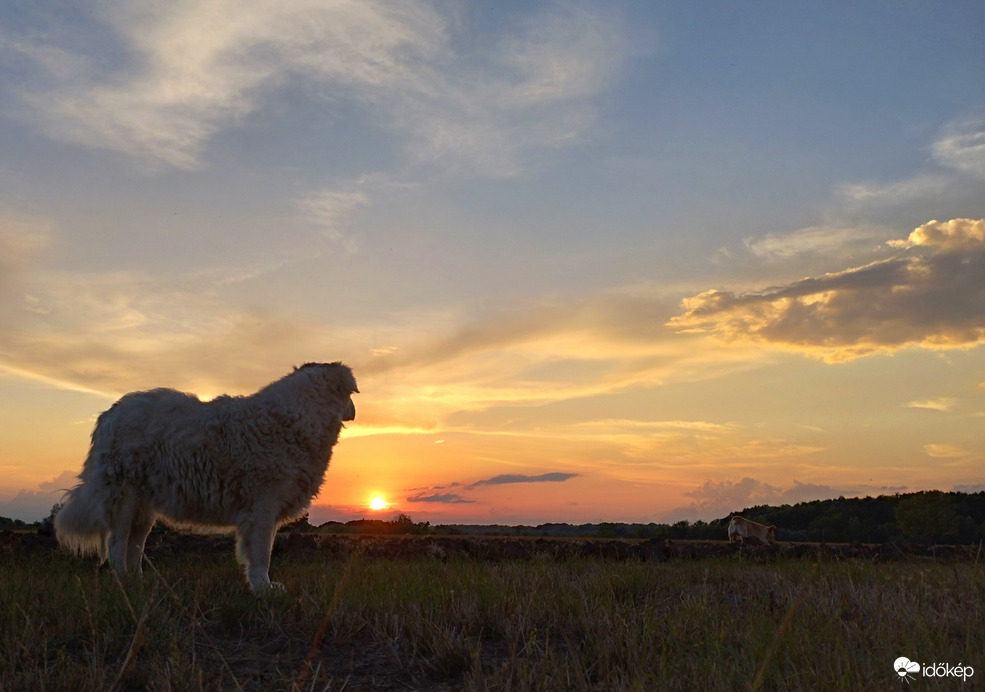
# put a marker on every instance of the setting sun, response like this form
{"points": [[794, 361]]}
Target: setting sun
{"points": [[378, 503]]}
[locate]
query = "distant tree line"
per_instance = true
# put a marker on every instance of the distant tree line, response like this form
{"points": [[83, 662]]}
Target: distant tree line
{"points": [[400, 524], [930, 516], [7, 524], [922, 517]]}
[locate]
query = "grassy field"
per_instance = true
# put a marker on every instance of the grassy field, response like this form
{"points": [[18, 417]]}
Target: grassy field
{"points": [[361, 622]]}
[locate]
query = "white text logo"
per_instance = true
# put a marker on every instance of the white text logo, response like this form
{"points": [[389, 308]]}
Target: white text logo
{"points": [[907, 670]]}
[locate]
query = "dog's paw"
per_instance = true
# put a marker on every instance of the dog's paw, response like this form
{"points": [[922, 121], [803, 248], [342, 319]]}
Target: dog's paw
{"points": [[271, 588]]}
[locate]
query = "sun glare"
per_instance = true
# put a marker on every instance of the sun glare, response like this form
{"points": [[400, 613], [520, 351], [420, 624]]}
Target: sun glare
{"points": [[377, 503]]}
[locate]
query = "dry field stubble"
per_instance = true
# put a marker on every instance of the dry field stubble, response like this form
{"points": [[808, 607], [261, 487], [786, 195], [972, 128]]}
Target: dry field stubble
{"points": [[366, 621]]}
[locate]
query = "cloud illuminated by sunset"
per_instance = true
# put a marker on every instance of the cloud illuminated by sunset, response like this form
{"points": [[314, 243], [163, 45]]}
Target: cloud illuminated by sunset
{"points": [[931, 300]]}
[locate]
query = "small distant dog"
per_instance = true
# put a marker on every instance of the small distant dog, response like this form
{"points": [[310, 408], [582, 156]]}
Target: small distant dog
{"points": [[250, 464], [745, 531]]}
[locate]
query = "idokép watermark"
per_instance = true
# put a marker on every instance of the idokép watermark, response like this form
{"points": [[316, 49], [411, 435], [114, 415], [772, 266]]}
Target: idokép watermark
{"points": [[909, 670]]}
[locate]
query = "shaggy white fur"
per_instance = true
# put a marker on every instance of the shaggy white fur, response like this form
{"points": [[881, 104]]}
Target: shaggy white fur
{"points": [[247, 463]]}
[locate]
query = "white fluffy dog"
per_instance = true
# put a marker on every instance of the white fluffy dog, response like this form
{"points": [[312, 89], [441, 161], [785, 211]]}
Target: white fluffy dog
{"points": [[247, 463]]}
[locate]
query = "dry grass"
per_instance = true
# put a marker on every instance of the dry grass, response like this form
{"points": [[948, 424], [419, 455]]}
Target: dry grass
{"points": [[431, 623]]}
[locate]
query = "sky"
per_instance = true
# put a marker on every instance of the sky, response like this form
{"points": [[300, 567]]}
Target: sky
{"points": [[589, 261]]}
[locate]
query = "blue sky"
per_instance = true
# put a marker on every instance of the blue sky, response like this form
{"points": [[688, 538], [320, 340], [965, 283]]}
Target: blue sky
{"points": [[674, 258]]}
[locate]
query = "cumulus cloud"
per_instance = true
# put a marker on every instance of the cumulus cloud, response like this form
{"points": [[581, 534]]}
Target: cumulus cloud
{"points": [[930, 295], [715, 499], [33, 505], [195, 69], [740, 492], [965, 236]]}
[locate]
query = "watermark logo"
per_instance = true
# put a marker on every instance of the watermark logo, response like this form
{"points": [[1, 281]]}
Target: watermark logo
{"points": [[908, 670]]}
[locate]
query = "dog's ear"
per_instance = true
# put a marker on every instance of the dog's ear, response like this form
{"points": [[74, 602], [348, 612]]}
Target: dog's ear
{"points": [[345, 381]]}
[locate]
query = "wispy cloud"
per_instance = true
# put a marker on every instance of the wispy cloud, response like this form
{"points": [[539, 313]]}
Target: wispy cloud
{"points": [[961, 146], [330, 209], [510, 478], [929, 296], [812, 240], [22, 238], [465, 362], [958, 152], [471, 118], [944, 403], [203, 67], [112, 333], [647, 427], [945, 451], [916, 188], [115, 332], [440, 494], [440, 498]]}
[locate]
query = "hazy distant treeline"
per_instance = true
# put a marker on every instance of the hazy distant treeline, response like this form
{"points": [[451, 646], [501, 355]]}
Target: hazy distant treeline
{"points": [[931, 516]]}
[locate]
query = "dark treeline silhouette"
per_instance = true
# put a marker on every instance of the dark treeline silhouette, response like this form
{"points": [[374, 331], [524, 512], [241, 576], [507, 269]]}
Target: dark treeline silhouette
{"points": [[400, 524], [922, 517], [7, 524], [929, 516]]}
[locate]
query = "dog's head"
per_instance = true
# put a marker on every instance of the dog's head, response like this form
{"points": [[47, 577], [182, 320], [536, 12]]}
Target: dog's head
{"points": [[346, 384], [338, 382]]}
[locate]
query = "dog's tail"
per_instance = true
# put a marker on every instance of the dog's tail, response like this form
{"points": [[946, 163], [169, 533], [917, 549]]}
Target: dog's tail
{"points": [[81, 525]]}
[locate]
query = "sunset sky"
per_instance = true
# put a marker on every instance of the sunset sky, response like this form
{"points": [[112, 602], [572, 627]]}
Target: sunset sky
{"points": [[620, 261]]}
